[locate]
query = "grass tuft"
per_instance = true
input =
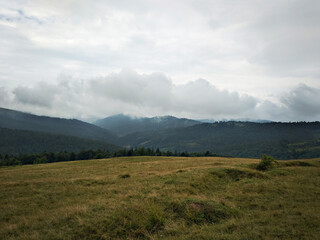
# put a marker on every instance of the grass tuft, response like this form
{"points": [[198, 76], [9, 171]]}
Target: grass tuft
{"points": [[196, 211]]}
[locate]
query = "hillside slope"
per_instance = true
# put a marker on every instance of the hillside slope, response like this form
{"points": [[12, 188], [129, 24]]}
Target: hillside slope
{"points": [[239, 139], [71, 127], [13, 141]]}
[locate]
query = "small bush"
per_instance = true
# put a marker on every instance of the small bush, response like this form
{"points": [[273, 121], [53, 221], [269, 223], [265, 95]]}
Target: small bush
{"points": [[266, 163]]}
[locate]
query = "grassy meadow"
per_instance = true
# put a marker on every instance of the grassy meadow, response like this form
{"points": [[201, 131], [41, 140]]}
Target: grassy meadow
{"points": [[161, 198]]}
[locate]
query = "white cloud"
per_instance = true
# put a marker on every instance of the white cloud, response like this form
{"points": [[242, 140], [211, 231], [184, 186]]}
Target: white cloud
{"points": [[40, 95], [155, 94], [131, 93], [201, 97]]}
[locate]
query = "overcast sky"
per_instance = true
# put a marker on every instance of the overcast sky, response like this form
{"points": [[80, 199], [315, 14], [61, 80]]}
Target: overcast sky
{"points": [[216, 59]]}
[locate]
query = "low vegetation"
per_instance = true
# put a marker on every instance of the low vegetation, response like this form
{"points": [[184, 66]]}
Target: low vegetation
{"points": [[159, 197]]}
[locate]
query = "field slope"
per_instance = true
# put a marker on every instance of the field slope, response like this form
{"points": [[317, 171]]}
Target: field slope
{"points": [[161, 198]]}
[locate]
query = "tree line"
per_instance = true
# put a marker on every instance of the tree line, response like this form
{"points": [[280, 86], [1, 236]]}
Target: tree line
{"points": [[62, 156]]}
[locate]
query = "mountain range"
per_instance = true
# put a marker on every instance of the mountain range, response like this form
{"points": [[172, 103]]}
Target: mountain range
{"points": [[122, 125], [168, 133]]}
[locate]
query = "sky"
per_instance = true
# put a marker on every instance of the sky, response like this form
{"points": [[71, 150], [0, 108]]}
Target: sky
{"points": [[201, 59]]}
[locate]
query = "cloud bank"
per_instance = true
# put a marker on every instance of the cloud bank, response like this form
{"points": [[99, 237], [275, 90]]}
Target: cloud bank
{"points": [[155, 94], [245, 46]]}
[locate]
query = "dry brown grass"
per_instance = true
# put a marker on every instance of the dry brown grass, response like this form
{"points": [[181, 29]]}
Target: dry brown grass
{"points": [[90, 199]]}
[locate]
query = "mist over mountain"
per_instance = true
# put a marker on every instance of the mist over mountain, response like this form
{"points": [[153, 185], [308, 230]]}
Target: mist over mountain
{"points": [[122, 124]]}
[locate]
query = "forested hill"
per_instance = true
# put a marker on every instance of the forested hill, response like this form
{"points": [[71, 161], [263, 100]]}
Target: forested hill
{"points": [[237, 139], [71, 127], [122, 124], [14, 142], [240, 139]]}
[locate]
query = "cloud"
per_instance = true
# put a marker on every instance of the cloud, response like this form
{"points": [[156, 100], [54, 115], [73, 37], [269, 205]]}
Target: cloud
{"points": [[267, 110], [253, 49], [132, 93], [204, 98], [128, 86], [155, 94], [230, 43], [42, 95], [303, 102], [286, 38], [3, 95]]}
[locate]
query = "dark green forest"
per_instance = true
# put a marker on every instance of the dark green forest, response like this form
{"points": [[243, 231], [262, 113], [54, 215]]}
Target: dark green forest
{"points": [[15, 142], [237, 139], [70, 127], [62, 156], [22, 133]]}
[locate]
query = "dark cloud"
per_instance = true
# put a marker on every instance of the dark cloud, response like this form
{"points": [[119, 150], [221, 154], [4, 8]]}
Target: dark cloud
{"points": [[303, 102]]}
